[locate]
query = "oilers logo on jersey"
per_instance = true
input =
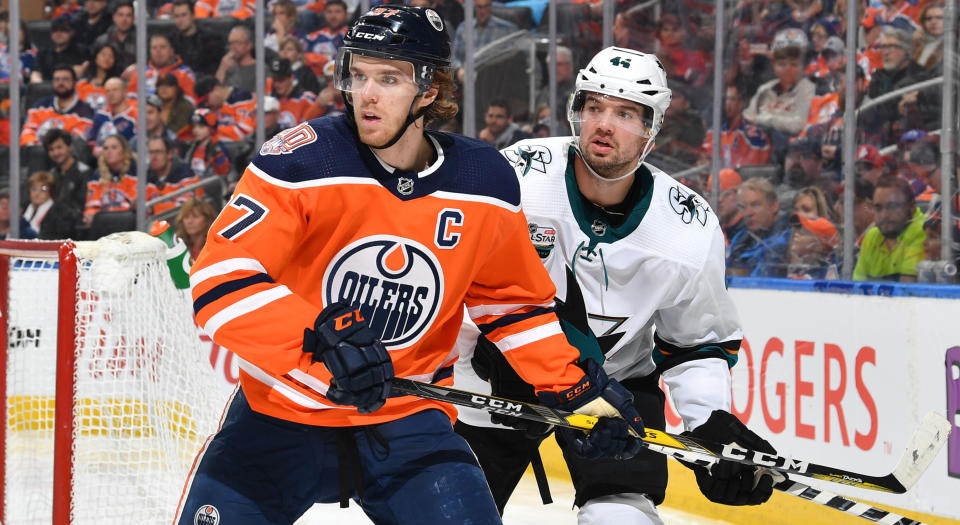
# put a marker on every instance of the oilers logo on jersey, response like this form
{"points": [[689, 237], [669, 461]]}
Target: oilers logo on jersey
{"points": [[206, 515], [396, 283], [688, 206]]}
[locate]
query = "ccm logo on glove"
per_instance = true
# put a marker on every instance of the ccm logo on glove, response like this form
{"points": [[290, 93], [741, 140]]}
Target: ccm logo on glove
{"points": [[347, 319]]}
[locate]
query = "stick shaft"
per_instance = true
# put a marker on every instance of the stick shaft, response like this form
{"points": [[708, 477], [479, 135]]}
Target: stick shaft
{"points": [[656, 440]]}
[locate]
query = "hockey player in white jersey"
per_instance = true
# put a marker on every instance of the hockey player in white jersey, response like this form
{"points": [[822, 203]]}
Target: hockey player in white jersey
{"points": [[638, 261]]}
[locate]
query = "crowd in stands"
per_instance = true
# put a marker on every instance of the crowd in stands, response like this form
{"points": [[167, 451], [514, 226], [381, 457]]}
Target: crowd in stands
{"points": [[784, 98]]}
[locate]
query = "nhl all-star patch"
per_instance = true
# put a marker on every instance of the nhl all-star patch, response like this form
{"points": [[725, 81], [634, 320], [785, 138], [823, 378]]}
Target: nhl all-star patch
{"points": [[526, 158], [688, 206], [543, 237]]}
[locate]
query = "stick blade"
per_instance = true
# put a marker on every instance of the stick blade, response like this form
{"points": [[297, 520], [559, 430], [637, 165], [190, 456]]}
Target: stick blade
{"points": [[922, 449]]}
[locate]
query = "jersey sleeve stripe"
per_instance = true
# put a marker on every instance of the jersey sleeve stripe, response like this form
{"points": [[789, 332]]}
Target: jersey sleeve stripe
{"points": [[484, 310], [228, 287], [243, 307], [224, 267], [282, 388], [309, 381], [500, 322], [529, 336]]}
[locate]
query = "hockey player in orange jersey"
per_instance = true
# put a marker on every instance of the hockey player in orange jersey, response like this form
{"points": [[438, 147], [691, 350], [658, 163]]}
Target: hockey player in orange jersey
{"points": [[344, 259]]}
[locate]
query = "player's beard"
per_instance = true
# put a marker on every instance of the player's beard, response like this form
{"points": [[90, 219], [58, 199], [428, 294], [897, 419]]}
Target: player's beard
{"points": [[618, 162]]}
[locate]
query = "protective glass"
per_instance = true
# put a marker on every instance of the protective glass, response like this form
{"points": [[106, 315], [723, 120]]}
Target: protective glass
{"points": [[597, 108], [354, 77]]}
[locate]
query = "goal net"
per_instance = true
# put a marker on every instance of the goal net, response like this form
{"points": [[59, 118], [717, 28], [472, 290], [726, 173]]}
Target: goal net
{"points": [[107, 394]]}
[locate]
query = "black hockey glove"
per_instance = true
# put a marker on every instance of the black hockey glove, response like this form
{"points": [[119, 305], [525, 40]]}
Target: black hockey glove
{"points": [[490, 365], [728, 482], [597, 395], [361, 367]]}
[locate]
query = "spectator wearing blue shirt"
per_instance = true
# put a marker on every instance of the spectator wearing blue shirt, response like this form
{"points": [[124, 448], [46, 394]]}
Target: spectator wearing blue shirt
{"points": [[486, 29], [760, 249]]}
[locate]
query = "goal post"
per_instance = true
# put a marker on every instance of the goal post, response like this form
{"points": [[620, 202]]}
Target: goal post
{"points": [[107, 394]]}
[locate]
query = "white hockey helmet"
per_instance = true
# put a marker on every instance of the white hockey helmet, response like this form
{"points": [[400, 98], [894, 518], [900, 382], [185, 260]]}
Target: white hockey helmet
{"points": [[627, 74]]}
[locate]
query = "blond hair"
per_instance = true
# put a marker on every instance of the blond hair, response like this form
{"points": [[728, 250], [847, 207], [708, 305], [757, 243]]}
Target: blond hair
{"points": [[128, 157]]}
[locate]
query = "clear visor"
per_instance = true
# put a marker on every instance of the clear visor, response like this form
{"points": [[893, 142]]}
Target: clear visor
{"points": [[597, 109], [363, 71]]}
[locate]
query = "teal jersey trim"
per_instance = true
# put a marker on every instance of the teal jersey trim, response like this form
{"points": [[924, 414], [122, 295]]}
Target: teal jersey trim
{"points": [[587, 214], [712, 351]]}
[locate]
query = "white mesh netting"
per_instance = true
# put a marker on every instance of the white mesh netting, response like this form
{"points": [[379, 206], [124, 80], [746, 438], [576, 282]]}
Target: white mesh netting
{"points": [[145, 394]]}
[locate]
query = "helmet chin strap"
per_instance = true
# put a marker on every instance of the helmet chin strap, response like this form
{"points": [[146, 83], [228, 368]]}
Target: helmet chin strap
{"points": [[411, 118], [576, 147]]}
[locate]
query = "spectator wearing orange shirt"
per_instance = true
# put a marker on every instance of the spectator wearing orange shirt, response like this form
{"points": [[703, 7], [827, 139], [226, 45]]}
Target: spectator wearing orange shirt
{"points": [[114, 187], [167, 174], [294, 100], [741, 143], [321, 46], [163, 61], [241, 9], [63, 110], [104, 65], [234, 108]]}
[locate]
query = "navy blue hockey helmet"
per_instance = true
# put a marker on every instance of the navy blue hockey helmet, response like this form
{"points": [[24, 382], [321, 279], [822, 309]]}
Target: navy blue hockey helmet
{"points": [[397, 32]]}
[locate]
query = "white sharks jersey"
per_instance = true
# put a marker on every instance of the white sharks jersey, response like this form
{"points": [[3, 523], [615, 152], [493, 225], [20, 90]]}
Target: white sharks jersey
{"points": [[651, 290]]}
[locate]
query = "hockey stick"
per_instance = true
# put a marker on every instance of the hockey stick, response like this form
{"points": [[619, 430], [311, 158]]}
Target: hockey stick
{"points": [[820, 497], [923, 447]]}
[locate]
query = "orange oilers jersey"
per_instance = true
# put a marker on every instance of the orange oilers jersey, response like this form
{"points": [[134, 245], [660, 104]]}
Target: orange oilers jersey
{"points": [[241, 9], [44, 116], [293, 107], [95, 96], [744, 145], [116, 195], [317, 218], [183, 74], [823, 108], [236, 118]]}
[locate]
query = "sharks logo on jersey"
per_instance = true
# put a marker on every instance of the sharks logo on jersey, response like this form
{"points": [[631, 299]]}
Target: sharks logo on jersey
{"points": [[397, 283], [688, 206], [543, 238], [526, 158]]}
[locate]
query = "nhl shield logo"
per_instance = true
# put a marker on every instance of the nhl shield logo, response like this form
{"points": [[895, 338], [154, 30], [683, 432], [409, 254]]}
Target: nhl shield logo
{"points": [[206, 515], [599, 228], [405, 186]]}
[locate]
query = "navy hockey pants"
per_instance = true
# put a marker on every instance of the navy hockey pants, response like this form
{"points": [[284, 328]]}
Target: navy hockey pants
{"points": [[258, 470]]}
